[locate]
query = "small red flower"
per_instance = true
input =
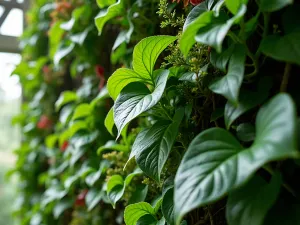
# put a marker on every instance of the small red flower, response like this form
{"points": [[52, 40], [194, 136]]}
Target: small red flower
{"points": [[64, 146], [44, 122], [100, 73], [80, 200], [196, 2]]}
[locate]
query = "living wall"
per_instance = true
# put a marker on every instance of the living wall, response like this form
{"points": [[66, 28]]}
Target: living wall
{"points": [[159, 112]]}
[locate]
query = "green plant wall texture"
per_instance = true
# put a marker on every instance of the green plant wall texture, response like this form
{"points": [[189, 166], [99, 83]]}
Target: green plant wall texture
{"points": [[159, 112]]}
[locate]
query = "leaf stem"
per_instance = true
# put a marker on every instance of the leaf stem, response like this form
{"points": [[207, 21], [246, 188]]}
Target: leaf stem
{"points": [[285, 78], [166, 111], [265, 32]]}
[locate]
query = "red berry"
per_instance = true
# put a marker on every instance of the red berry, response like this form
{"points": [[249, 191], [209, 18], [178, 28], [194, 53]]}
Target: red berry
{"points": [[64, 146], [44, 122], [196, 2], [80, 200], [99, 71]]}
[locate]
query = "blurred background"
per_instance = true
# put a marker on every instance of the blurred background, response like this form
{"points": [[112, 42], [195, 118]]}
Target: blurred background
{"points": [[11, 27]]}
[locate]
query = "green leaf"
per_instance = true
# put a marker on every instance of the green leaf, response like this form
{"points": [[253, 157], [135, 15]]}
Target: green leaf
{"points": [[116, 186], [248, 100], [187, 39], [152, 151], [112, 145], [250, 203], [146, 52], [229, 85], [214, 33], [216, 163], [234, 5], [105, 3], [93, 197], [220, 60], [245, 132], [286, 48], [62, 52], [147, 220], [109, 13], [119, 79], [65, 98], [61, 206], [273, 5], [103, 94], [139, 194], [195, 13], [134, 212], [81, 111], [55, 37], [135, 99], [79, 38], [167, 206], [92, 178], [109, 121]]}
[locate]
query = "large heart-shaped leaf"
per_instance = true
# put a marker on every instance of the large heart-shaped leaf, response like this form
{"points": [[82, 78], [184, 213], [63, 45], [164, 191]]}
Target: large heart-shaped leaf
{"points": [[116, 186], [146, 52], [273, 5], [134, 212], [214, 33], [135, 99], [216, 163], [286, 48], [152, 150], [109, 13], [119, 79], [250, 203], [229, 85]]}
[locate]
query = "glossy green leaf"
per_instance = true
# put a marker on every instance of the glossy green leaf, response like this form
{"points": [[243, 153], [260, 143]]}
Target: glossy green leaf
{"points": [[116, 186], [81, 111], [195, 13], [283, 48], [247, 101], [112, 145], [147, 220], [139, 195], [146, 52], [220, 60], [103, 94], [109, 121], [55, 36], [109, 13], [61, 206], [119, 79], [152, 151], [79, 38], [216, 163], [229, 85], [167, 206], [250, 203], [135, 99], [105, 3], [92, 178], [234, 5], [273, 5], [65, 98], [93, 197], [214, 33], [135, 211], [245, 132], [62, 52]]}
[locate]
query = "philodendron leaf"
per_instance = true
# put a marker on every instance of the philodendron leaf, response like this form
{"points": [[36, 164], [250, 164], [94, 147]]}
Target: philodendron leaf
{"points": [[229, 85], [65, 98], [109, 13], [146, 52], [234, 5], [220, 60], [245, 132], [167, 206], [273, 5], [116, 186], [216, 163], [139, 194], [195, 13], [135, 99], [151, 152], [147, 220], [286, 48], [119, 79], [214, 33], [134, 212], [250, 203]]}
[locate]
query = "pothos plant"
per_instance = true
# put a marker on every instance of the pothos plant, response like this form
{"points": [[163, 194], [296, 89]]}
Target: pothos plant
{"points": [[202, 128]]}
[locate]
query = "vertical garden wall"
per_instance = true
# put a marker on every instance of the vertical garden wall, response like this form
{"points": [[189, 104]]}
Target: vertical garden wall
{"points": [[159, 112]]}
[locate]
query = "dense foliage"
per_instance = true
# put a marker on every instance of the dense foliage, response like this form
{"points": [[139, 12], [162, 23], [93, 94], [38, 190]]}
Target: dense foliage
{"points": [[159, 112]]}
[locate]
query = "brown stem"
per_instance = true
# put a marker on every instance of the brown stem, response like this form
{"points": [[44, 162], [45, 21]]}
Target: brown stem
{"points": [[285, 78]]}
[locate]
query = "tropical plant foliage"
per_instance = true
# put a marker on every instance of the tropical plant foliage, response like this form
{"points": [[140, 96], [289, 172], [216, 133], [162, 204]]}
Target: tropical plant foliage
{"points": [[160, 112]]}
